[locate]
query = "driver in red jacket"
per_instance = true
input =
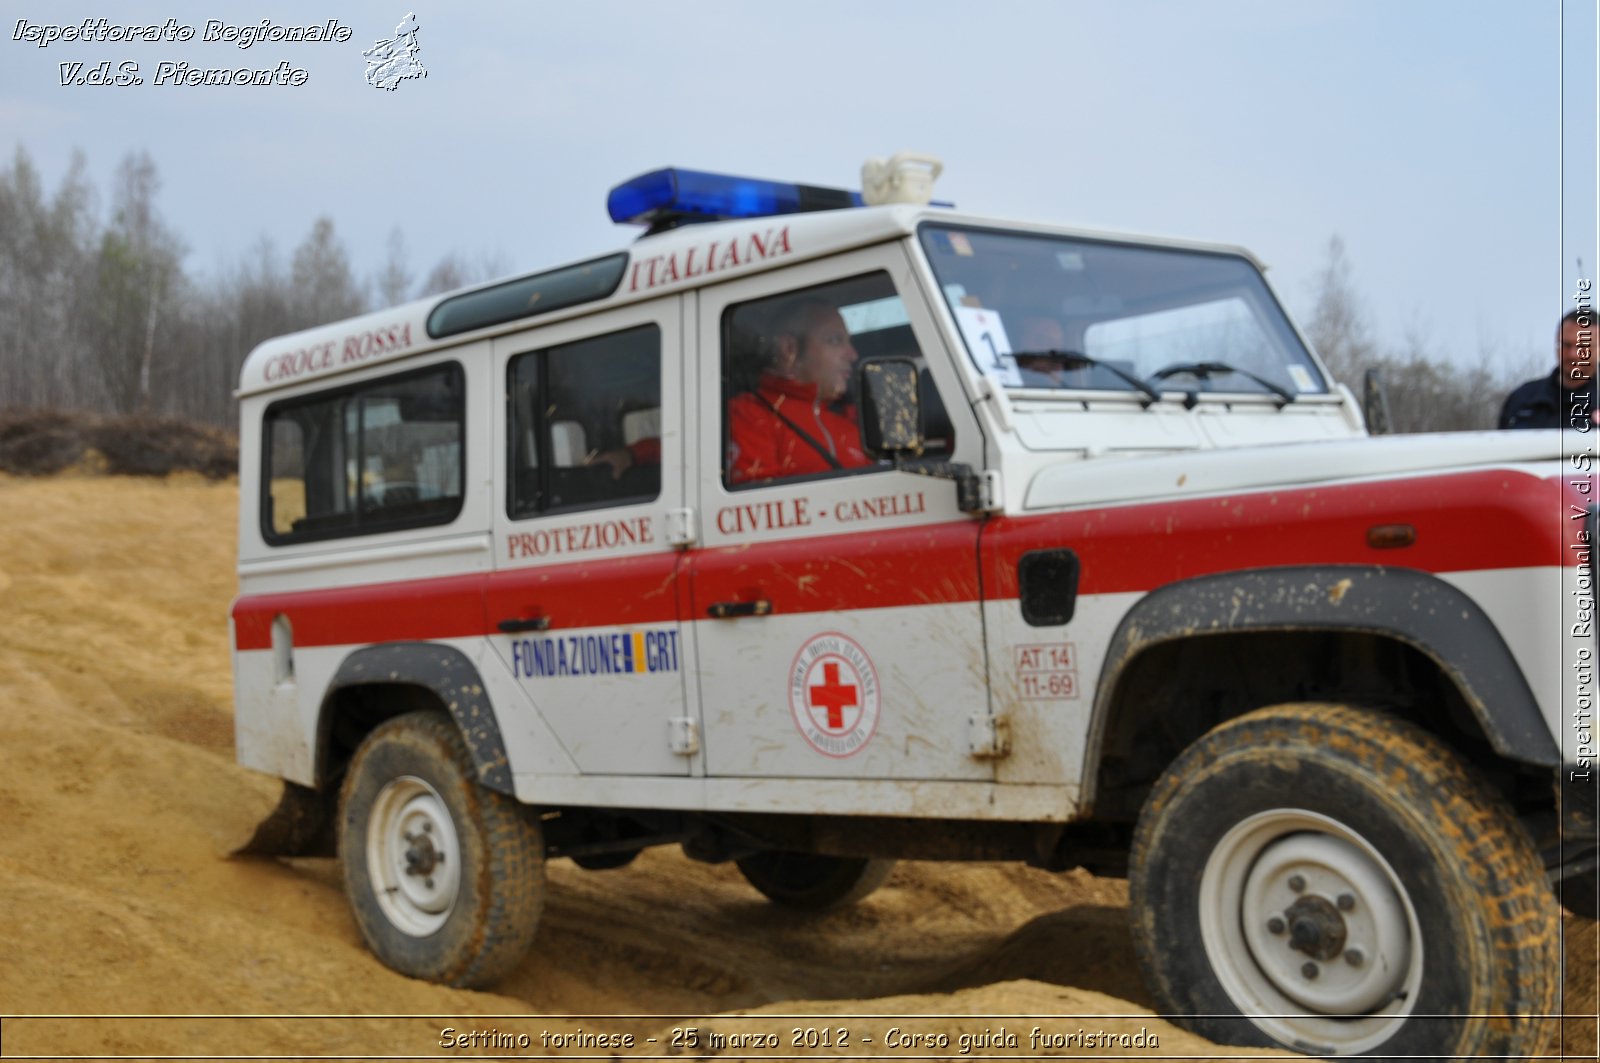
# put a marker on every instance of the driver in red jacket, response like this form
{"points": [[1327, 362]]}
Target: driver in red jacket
{"points": [[796, 422]]}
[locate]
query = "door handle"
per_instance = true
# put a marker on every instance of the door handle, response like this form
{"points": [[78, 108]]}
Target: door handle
{"points": [[515, 624], [728, 610]]}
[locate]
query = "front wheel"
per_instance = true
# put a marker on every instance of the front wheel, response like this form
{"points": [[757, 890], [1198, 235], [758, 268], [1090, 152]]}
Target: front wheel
{"points": [[445, 878], [813, 883], [1334, 880]]}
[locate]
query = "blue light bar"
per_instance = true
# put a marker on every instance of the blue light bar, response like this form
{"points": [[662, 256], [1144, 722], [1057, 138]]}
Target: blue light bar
{"points": [[665, 198]]}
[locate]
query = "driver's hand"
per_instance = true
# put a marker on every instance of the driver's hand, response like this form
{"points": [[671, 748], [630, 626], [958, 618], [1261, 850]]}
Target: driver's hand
{"points": [[618, 458]]}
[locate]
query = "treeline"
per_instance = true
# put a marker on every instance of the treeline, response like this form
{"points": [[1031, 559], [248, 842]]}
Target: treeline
{"points": [[98, 313], [1425, 392]]}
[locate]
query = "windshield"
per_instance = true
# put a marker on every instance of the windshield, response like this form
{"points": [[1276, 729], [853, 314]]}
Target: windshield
{"points": [[1050, 312]]}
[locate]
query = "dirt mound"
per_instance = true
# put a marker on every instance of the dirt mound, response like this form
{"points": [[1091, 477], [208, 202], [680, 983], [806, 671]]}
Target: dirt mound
{"points": [[46, 442], [120, 799]]}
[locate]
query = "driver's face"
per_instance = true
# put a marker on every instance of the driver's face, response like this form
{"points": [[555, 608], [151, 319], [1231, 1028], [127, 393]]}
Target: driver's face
{"points": [[1042, 334], [825, 356]]}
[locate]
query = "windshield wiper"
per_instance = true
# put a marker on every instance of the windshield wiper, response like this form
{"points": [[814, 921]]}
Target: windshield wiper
{"points": [[1079, 360], [1206, 370]]}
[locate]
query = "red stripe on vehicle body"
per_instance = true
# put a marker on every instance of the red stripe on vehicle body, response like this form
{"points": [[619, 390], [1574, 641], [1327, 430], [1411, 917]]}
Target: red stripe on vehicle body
{"points": [[449, 607], [1493, 519], [1464, 521], [620, 591]]}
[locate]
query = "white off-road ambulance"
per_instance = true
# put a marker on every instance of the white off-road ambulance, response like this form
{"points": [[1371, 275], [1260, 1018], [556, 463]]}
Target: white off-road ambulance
{"points": [[811, 535]]}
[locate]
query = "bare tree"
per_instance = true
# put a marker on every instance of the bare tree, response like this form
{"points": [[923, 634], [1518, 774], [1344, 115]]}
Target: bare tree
{"points": [[1338, 327], [247, 303], [394, 280], [448, 274], [44, 251], [454, 271], [1426, 394], [138, 271], [324, 288], [1429, 395]]}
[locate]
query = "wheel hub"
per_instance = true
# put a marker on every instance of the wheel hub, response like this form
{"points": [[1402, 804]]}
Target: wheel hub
{"points": [[413, 856], [1315, 928], [1310, 931], [421, 857], [1337, 910]]}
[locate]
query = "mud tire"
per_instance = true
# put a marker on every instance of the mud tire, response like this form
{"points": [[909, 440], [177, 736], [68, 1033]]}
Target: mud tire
{"points": [[414, 773], [812, 883], [1258, 793]]}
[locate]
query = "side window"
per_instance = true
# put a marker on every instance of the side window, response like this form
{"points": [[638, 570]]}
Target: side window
{"points": [[375, 457], [789, 372], [585, 424]]}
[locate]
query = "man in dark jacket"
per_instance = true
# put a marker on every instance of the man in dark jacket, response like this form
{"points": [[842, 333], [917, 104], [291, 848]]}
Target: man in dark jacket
{"points": [[1565, 398]]}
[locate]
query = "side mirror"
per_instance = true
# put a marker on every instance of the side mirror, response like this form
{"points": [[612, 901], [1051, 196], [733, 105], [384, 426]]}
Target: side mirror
{"points": [[1375, 403], [891, 417], [891, 427]]}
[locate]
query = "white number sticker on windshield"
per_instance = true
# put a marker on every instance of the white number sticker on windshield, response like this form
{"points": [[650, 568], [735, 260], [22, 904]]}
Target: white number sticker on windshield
{"points": [[986, 338]]}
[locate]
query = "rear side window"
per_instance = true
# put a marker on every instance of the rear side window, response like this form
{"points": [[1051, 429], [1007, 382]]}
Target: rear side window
{"points": [[375, 457], [585, 424]]}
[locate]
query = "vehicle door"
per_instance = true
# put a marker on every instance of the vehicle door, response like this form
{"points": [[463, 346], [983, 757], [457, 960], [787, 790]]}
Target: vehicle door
{"points": [[583, 600], [837, 630]]}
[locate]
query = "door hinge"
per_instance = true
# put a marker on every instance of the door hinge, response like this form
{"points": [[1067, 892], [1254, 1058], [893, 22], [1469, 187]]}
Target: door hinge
{"points": [[991, 491], [680, 527], [988, 737], [683, 736]]}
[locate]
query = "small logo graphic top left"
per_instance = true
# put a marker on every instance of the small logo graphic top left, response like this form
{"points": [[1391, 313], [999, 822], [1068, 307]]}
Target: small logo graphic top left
{"points": [[394, 60]]}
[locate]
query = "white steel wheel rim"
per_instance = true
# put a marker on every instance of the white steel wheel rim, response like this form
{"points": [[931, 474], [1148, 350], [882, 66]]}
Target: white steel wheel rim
{"points": [[1278, 873], [413, 856]]}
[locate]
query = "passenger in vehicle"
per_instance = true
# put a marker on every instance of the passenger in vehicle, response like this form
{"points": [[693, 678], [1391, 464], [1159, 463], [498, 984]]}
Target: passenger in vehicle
{"points": [[1040, 333], [639, 453], [796, 420]]}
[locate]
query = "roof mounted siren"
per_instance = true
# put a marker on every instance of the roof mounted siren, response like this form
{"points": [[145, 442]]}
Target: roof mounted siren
{"points": [[666, 199], [906, 177]]}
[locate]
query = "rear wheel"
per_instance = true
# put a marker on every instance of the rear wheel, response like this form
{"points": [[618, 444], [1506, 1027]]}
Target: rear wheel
{"points": [[445, 878], [813, 883], [1335, 881]]}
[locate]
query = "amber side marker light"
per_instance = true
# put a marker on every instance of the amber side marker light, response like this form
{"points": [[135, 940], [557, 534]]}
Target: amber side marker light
{"points": [[1390, 536]]}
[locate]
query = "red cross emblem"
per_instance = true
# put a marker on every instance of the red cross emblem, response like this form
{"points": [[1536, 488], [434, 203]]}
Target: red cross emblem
{"points": [[834, 696]]}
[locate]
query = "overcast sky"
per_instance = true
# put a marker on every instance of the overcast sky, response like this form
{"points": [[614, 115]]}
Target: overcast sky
{"points": [[1429, 135]]}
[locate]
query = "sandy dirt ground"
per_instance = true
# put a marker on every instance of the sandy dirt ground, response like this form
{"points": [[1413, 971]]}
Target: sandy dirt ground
{"points": [[119, 799]]}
